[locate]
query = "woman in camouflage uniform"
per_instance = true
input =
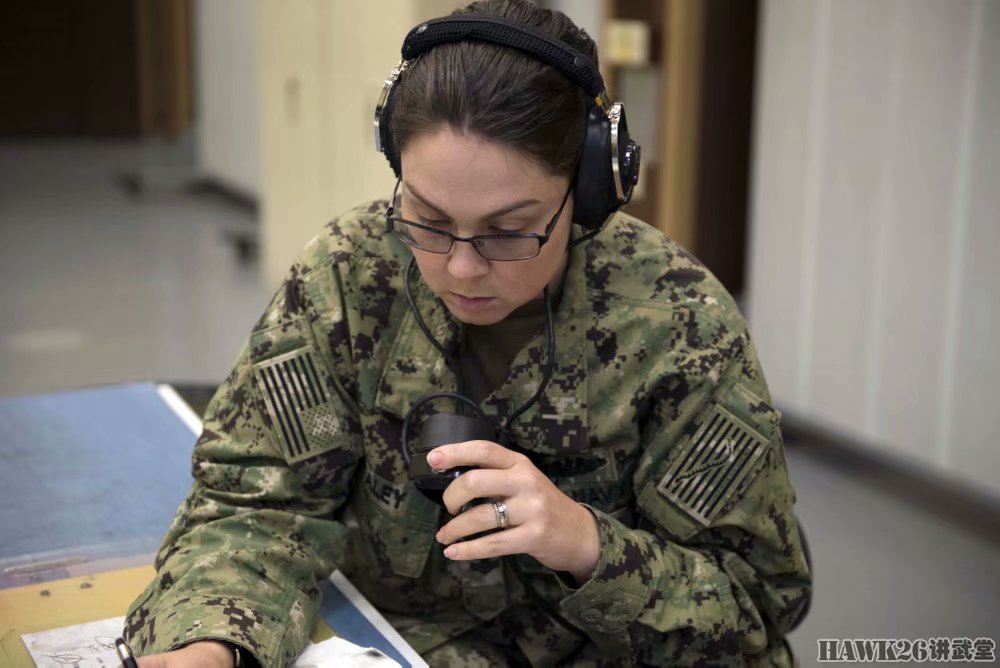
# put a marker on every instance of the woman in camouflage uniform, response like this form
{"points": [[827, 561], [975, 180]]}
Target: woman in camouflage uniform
{"points": [[647, 511]]}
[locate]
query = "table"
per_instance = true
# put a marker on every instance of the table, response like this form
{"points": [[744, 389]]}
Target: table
{"points": [[75, 600], [74, 551]]}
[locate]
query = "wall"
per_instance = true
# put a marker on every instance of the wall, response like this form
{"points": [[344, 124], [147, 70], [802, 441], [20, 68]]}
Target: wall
{"points": [[588, 15], [322, 68], [876, 224], [227, 100]]}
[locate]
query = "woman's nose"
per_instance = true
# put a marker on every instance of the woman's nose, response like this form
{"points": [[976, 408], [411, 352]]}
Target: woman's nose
{"points": [[465, 262]]}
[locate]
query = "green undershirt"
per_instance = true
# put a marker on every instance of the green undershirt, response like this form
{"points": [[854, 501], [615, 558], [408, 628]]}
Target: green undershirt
{"points": [[489, 350]]}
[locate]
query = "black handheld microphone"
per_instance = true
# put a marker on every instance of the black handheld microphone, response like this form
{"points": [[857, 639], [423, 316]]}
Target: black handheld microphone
{"points": [[441, 429]]}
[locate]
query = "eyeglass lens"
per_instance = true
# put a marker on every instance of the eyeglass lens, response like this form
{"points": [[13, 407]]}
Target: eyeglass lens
{"points": [[496, 248]]}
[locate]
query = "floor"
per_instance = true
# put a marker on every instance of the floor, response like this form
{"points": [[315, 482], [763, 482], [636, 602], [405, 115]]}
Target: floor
{"points": [[884, 569], [98, 285]]}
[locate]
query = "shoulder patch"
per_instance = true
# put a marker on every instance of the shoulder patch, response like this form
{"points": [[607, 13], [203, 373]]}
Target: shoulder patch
{"points": [[302, 416], [716, 466]]}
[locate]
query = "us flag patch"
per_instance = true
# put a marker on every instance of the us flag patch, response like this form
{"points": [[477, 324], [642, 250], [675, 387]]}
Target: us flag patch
{"points": [[721, 460], [296, 399]]}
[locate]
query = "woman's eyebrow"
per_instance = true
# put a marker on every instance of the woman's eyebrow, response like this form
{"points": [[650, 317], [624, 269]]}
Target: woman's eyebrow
{"points": [[495, 214]]}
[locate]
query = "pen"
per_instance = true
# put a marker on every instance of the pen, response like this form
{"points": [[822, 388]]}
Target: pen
{"points": [[125, 654]]}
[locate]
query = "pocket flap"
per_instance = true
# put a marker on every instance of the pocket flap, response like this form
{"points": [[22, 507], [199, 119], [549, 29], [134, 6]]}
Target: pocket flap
{"points": [[400, 521]]}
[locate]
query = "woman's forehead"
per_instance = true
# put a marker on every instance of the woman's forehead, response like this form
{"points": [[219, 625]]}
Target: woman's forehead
{"points": [[444, 165], [506, 203]]}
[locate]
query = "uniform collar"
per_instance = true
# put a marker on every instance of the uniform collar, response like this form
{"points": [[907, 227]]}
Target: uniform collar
{"points": [[558, 420]]}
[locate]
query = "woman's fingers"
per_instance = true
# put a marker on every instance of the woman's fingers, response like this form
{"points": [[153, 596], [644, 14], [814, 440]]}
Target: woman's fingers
{"points": [[543, 521], [477, 519], [484, 454], [480, 483], [496, 544]]}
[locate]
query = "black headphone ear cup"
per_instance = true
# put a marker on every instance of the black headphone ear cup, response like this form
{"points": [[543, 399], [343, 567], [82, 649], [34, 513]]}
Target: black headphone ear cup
{"points": [[629, 158], [594, 197], [385, 132]]}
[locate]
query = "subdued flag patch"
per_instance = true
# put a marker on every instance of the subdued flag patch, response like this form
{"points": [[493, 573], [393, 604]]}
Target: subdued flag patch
{"points": [[296, 401], [717, 465]]}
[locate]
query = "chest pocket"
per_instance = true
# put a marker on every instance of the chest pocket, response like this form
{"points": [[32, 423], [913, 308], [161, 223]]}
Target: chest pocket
{"points": [[398, 521], [598, 477]]}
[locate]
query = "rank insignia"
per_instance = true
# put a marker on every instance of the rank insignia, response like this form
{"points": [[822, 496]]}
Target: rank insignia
{"points": [[717, 465]]}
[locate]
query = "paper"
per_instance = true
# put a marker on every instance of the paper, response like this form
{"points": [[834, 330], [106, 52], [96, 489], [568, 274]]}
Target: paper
{"points": [[375, 643], [82, 646], [335, 652], [93, 644]]}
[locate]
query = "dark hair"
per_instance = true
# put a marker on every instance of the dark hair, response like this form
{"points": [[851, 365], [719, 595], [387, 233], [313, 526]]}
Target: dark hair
{"points": [[499, 93]]}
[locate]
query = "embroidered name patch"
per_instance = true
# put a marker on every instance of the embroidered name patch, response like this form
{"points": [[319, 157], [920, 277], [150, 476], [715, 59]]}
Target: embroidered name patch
{"points": [[718, 464], [297, 403]]}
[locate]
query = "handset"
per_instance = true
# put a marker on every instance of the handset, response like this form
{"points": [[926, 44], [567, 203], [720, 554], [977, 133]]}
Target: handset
{"points": [[441, 429]]}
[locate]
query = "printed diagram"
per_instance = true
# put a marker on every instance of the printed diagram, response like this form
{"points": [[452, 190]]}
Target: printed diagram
{"points": [[84, 646]]}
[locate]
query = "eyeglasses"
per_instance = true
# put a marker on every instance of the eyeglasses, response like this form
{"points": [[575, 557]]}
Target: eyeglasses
{"points": [[501, 247]]}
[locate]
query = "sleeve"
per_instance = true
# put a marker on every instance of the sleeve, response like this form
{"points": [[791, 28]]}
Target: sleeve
{"points": [[713, 573], [257, 532]]}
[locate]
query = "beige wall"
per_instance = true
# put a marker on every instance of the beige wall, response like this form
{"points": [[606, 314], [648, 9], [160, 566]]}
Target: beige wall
{"points": [[322, 65], [227, 100], [876, 224]]}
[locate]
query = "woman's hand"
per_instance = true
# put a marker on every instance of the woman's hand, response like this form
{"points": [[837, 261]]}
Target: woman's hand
{"points": [[543, 522], [199, 654]]}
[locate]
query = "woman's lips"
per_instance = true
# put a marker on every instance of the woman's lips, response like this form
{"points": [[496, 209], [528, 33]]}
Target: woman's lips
{"points": [[472, 303]]}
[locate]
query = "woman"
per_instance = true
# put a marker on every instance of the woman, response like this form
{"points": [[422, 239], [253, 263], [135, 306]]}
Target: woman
{"points": [[638, 503]]}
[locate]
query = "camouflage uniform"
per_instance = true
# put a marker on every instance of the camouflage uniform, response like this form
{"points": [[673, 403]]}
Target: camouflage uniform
{"points": [[657, 417]]}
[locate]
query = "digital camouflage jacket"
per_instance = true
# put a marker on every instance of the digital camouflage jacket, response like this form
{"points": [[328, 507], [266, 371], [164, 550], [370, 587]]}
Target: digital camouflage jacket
{"points": [[657, 417]]}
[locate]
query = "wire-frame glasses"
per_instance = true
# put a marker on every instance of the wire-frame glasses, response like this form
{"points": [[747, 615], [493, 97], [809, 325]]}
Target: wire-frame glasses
{"points": [[501, 247]]}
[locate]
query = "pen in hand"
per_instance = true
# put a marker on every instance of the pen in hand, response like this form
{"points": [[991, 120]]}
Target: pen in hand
{"points": [[125, 654]]}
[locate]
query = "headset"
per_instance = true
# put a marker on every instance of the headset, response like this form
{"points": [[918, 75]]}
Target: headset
{"points": [[608, 168]]}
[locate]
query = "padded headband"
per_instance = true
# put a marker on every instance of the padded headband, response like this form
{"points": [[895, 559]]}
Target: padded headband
{"points": [[573, 64]]}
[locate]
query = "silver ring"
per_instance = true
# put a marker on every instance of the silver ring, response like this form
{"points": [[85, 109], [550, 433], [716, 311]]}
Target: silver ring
{"points": [[503, 519]]}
